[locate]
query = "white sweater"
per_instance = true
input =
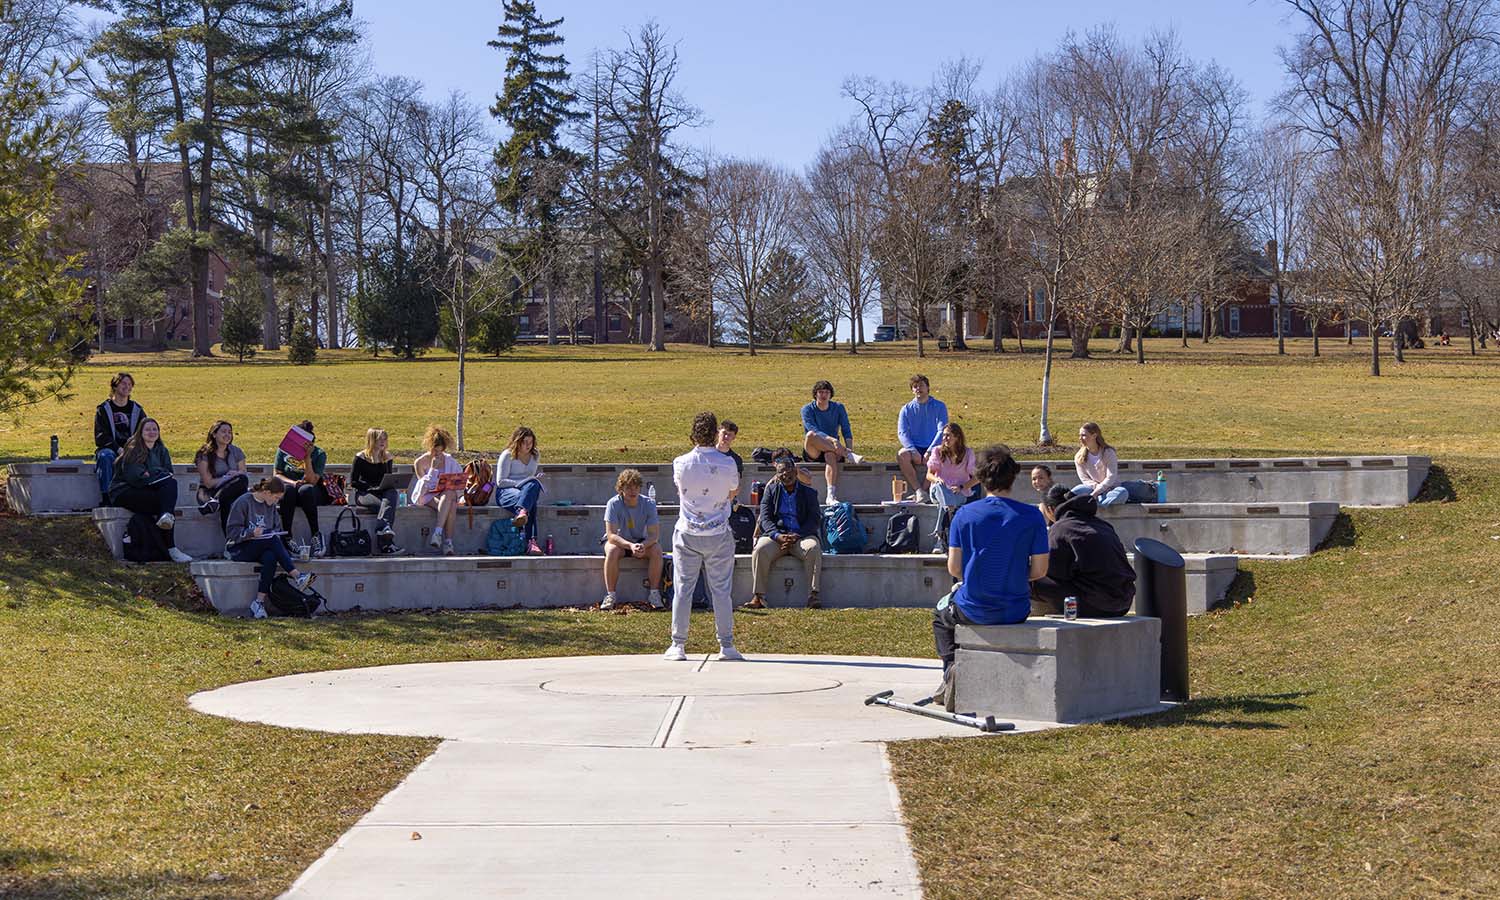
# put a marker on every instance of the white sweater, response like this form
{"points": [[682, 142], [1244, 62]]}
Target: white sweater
{"points": [[510, 472], [1101, 474]]}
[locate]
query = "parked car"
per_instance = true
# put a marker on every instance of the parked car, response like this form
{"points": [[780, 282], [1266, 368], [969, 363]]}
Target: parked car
{"points": [[885, 332]]}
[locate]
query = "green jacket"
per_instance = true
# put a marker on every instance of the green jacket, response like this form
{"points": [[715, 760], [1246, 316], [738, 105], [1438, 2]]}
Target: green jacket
{"points": [[284, 463], [158, 462]]}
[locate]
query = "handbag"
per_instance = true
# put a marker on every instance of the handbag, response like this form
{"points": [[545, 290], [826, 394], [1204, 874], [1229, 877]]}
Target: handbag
{"points": [[333, 486], [354, 542]]}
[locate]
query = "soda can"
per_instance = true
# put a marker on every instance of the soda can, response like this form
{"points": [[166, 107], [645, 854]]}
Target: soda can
{"points": [[1070, 608]]}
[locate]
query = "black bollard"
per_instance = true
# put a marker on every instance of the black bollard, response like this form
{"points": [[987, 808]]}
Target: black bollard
{"points": [[1161, 591]]}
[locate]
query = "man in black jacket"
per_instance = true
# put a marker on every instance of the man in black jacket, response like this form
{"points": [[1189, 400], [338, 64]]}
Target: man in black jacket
{"points": [[1086, 560], [114, 422], [790, 521]]}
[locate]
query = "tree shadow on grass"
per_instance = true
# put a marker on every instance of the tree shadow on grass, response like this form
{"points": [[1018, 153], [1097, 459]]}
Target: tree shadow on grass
{"points": [[49, 882], [1242, 588], [1438, 488], [1206, 712]]}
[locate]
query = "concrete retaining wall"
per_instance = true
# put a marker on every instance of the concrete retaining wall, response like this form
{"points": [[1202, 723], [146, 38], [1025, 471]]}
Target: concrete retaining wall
{"points": [[70, 487]]}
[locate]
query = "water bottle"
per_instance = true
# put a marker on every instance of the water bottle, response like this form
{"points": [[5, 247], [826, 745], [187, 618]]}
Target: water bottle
{"points": [[401, 497], [1070, 608], [551, 547], [1161, 487], [651, 492], [54, 448]]}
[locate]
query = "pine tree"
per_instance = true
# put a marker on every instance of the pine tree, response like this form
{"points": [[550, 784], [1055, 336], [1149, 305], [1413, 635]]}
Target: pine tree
{"points": [[536, 103], [38, 300], [397, 306], [240, 331], [302, 349]]}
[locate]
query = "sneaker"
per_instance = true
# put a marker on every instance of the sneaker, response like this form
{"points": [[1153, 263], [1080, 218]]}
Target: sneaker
{"points": [[813, 602], [258, 609], [386, 531], [303, 579], [391, 550], [833, 496], [608, 602], [854, 458], [436, 541], [916, 497], [178, 556], [318, 549], [675, 653], [654, 598], [754, 603], [727, 653], [534, 549], [940, 549], [166, 521], [448, 548], [943, 696]]}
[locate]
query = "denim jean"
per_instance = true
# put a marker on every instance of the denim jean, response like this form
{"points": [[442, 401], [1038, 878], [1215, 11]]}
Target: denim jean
{"points": [[104, 465], [524, 497], [1116, 494], [266, 551], [943, 495]]}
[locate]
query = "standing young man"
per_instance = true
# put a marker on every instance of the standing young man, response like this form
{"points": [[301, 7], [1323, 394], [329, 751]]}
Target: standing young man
{"points": [[919, 428], [996, 547], [114, 422], [702, 544], [823, 423]]}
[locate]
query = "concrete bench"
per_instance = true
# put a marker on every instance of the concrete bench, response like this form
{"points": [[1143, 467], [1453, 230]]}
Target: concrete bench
{"points": [[1050, 670], [64, 487]]}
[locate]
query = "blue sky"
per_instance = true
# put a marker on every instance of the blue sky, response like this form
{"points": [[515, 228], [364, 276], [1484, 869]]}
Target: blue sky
{"points": [[767, 74]]}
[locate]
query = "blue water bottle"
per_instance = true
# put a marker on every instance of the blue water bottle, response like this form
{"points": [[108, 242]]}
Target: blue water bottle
{"points": [[1161, 487]]}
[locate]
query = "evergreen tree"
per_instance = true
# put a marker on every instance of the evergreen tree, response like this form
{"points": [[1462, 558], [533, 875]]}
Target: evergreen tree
{"points": [[397, 306], [302, 349], [535, 103], [789, 313], [240, 330], [39, 302]]}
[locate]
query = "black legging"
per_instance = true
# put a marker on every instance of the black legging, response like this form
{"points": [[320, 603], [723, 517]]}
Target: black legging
{"points": [[228, 492], [153, 501], [307, 497]]}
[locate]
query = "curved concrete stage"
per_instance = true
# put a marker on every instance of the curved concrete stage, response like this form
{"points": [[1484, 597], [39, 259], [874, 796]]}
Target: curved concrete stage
{"points": [[620, 776]]}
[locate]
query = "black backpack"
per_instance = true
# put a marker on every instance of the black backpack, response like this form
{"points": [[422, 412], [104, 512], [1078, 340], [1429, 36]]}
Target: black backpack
{"points": [[742, 523], [287, 599], [901, 533], [144, 542]]}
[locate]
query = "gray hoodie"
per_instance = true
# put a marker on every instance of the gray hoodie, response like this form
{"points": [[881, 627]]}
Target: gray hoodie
{"points": [[246, 515]]}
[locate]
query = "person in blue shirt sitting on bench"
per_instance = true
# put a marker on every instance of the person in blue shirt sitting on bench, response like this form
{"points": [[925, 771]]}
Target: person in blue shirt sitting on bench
{"points": [[789, 524], [824, 423]]}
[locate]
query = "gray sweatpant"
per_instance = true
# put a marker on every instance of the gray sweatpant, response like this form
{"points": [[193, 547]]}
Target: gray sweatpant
{"points": [[712, 556]]}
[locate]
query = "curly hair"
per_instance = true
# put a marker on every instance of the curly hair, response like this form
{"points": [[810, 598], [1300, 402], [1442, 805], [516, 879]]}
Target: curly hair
{"points": [[705, 431]]}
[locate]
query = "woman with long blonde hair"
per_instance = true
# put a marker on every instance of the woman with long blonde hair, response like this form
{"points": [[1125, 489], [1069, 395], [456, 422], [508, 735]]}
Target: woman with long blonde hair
{"points": [[370, 467]]}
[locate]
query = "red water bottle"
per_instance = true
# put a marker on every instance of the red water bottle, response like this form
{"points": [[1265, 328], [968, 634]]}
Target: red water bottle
{"points": [[550, 545]]}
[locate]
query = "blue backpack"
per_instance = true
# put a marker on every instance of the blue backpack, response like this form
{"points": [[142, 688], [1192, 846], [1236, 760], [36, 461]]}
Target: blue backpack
{"points": [[842, 531], [504, 539]]}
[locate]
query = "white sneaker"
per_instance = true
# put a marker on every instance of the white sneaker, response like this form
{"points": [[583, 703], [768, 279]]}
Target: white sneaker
{"points": [[166, 521], [448, 548], [178, 556], [608, 602], [436, 542], [654, 598], [729, 654], [675, 653], [833, 496], [257, 609], [855, 458], [302, 580]]}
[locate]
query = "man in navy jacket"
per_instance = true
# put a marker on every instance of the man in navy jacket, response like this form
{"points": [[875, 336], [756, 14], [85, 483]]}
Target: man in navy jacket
{"points": [[790, 522]]}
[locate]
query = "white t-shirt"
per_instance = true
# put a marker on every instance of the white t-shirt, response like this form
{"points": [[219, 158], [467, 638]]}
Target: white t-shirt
{"points": [[705, 479]]}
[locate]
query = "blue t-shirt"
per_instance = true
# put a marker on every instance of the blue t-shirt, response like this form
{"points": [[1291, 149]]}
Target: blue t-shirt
{"points": [[998, 537], [631, 522], [833, 421], [919, 426]]}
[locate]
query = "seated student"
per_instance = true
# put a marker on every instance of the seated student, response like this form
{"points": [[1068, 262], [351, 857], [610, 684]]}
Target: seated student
{"points": [[790, 523], [728, 431], [370, 467], [248, 537], [433, 462], [996, 547], [1098, 469], [222, 476], [143, 482], [631, 528], [950, 472], [803, 476], [1086, 561], [115, 420], [1041, 482], [919, 429], [303, 480], [823, 423], [518, 481]]}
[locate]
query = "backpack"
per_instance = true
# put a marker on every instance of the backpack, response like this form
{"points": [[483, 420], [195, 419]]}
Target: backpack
{"points": [[901, 533], [842, 531], [505, 539], [286, 599], [479, 484], [144, 542], [742, 523]]}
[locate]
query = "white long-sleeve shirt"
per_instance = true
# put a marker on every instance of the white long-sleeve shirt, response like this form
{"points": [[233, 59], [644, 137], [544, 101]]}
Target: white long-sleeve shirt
{"points": [[1100, 471], [510, 472]]}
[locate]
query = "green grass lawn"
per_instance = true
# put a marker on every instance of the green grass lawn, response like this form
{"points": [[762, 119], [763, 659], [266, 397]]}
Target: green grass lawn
{"points": [[1343, 741]]}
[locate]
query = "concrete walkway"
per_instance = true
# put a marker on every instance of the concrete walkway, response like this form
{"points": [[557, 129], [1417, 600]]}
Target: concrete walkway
{"points": [[626, 776]]}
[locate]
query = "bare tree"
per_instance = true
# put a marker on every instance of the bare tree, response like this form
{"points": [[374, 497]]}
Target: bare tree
{"points": [[838, 228], [1282, 171]]}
